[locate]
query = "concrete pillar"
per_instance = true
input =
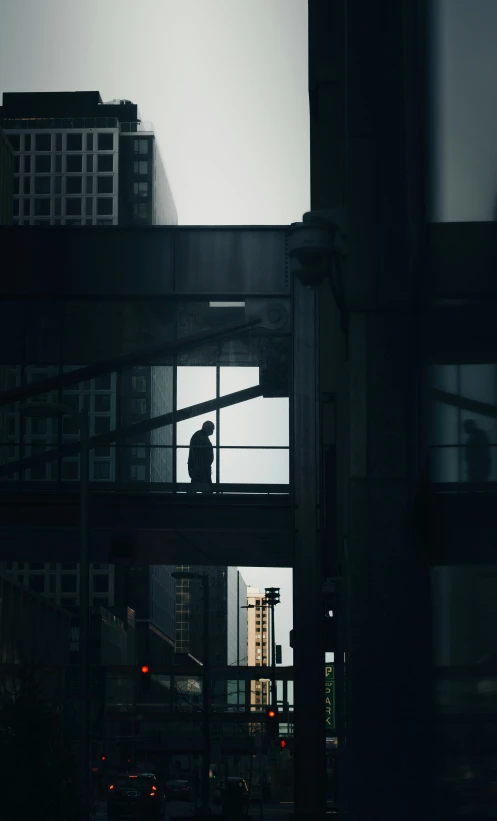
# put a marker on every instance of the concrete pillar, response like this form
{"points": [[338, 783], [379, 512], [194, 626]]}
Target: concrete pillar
{"points": [[309, 719]]}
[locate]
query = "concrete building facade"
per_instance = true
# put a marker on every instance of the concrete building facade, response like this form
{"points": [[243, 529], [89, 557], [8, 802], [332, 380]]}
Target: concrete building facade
{"points": [[258, 644], [6, 179], [79, 161]]}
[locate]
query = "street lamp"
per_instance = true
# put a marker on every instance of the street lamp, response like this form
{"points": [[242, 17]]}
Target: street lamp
{"points": [[44, 409], [205, 779]]}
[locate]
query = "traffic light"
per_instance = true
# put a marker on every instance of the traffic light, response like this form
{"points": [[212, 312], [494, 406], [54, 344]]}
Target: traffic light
{"points": [[145, 677], [283, 743], [272, 723]]}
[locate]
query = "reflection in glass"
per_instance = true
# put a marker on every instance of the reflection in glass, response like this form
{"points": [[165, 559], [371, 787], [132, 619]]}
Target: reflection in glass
{"points": [[463, 428]]}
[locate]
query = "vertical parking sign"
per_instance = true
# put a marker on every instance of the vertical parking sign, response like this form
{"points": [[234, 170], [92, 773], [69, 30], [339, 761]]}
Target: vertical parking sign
{"points": [[329, 690]]}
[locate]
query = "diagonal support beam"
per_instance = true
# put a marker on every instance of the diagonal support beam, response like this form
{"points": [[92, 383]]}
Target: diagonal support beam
{"points": [[134, 431], [118, 363], [464, 403]]}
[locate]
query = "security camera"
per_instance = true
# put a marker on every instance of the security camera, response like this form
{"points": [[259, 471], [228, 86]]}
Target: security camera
{"points": [[310, 248]]}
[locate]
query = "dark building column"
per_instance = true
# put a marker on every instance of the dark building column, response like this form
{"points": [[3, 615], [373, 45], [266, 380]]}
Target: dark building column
{"points": [[386, 599]]}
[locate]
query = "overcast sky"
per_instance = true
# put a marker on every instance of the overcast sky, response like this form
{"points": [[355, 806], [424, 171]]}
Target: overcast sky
{"points": [[225, 84]]}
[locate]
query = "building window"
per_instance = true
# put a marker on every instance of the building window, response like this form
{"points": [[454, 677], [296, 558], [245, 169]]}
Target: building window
{"points": [[89, 185], [89, 162], [16, 186], [15, 208], [52, 583], [58, 163], [73, 207], [26, 186], [105, 162], [37, 583], [101, 424], [26, 207], [74, 163], [74, 185], [15, 141], [43, 142], [101, 583], [139, 383], [105, 185], [74, 142], [101, 471], [138, 473], [27, 142], [102, 402], [68, 582], [27, 165], [104, 206], [16, 164], [58, 185], [138, 406], [257, 644], [43, 164], [140, 146], [89, 207], [138, 452], [140, 210], [89, 142], [58, 142], [257, 629], [105, 142], [57, 206], [140, 189], [140, 167]]}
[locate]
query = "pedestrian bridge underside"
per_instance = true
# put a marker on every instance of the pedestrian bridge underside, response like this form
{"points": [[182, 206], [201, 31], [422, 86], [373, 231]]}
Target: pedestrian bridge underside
{"points": [[147, 332]]}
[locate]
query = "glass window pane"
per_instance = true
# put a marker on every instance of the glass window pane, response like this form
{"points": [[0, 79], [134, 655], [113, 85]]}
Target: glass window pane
{"points": [[43, 164], [105, 142], [89, 142], [74, 163], [73, 207], [464, 125], [254, 466], [42, 185], [74, 142], [43, 142]]}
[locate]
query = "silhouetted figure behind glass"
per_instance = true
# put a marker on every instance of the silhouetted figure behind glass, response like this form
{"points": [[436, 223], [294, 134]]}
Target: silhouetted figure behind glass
{"points": [[201, 455], [477, 453]]}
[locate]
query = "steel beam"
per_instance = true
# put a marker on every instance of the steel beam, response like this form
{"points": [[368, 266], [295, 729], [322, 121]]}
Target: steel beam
{"points": [[118, 363], [133, 431], [308, 568]]}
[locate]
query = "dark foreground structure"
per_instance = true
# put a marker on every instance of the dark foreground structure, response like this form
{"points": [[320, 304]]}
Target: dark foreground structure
{"points": [[375, 319]]}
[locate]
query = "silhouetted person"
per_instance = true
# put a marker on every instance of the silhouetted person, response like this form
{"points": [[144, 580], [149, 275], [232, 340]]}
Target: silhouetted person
{"points": [[201, 455], [477, 453]]}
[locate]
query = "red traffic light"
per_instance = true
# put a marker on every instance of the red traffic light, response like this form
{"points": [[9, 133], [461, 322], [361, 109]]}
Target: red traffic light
{"points": [[282, 743], [103, 758], [145, 669]]}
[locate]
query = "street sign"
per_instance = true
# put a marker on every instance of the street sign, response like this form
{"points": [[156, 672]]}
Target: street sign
{"points": [[329, 690]]}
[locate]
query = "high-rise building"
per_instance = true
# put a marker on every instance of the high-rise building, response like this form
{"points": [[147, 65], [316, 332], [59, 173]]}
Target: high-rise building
{"points": [[258, 643], [227, 621], [80, 161], [6, 179]]}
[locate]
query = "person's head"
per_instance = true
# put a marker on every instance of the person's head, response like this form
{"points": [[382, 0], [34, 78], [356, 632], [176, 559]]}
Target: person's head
{"points": [[208, 428], [469, 425]]}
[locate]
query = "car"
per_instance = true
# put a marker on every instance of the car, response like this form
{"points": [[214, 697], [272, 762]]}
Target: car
{"points": [[235, 797], [178, 790], [133, 793]]}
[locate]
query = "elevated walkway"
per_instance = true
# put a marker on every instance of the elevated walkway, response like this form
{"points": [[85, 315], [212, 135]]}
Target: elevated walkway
{"points": [[235, 525]]}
